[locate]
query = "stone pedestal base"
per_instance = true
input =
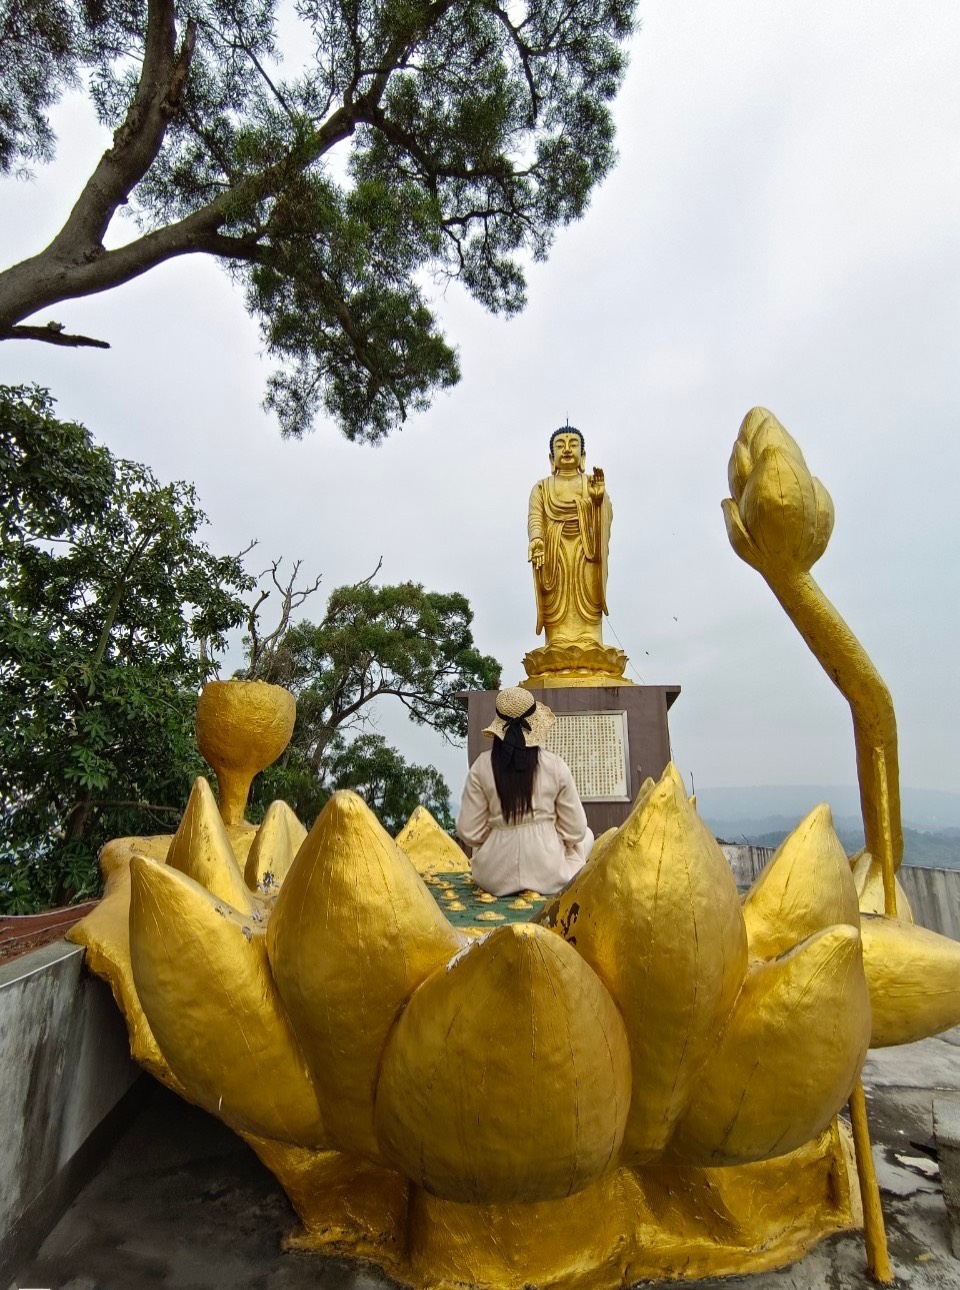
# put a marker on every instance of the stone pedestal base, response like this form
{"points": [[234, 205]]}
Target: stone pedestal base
{"points": [[577, 666], [648, 735]]}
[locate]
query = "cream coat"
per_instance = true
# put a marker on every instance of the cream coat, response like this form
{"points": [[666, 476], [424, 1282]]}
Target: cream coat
{"points": [[540, 853]]}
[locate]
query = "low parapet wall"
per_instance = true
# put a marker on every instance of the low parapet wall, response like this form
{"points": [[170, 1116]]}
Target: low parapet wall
{"points": [[746, 861], [934, 896], [65, 1078]]}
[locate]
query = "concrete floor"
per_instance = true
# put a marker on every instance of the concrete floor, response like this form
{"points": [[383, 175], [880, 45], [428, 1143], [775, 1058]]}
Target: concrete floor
{"points": [[182, 1203]]}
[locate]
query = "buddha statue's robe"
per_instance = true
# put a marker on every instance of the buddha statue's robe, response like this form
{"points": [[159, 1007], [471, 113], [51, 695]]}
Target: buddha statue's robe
{"points": [[571, 584]]}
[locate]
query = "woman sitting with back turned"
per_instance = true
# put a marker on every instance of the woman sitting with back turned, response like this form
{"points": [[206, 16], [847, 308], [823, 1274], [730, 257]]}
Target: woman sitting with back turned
{"points": [[520, 809]]}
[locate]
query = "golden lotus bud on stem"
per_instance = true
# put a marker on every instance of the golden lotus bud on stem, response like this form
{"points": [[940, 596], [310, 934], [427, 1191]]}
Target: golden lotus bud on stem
{"points": [[242, 726], [779, 520], [779, 511]]}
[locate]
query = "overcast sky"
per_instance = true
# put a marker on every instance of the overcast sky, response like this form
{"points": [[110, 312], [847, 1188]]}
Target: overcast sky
{"points": [[783, 228]]}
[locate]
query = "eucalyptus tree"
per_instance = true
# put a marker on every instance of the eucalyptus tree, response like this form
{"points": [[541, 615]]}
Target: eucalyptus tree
{"points": [[336, 156]]}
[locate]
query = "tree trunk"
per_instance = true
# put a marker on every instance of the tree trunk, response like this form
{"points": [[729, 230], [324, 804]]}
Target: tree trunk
{"points": [[77, 820]]}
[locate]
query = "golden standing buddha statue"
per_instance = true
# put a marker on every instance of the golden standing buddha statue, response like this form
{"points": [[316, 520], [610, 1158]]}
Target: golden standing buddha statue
{"points": [[569, 532]]}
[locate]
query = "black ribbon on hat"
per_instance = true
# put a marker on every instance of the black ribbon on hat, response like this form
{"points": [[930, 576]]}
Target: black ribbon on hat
{"points": [[513, 737]]}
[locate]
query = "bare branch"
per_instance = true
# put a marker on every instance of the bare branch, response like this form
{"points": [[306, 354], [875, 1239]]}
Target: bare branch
{"points": [[252, 629], [264, 649], [365, 582]]}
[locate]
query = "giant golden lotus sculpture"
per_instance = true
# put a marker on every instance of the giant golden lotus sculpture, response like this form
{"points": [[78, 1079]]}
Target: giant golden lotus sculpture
{"points": [[643, 1081], [650, 1074]]}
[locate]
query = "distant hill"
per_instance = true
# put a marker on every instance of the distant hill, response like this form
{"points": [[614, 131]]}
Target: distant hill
{"points": [[764, 815], [932, 850], [767, 808], [931, 834]]}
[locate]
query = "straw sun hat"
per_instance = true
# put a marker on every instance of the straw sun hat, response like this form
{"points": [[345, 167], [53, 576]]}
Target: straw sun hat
{"points": [[518, 707]]}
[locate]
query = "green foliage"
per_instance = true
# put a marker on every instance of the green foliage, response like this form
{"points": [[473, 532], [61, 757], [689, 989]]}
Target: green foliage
{"points": [[111, 611], [39, 59], [373, 642], [111, 607], [390, 785], [408, 141]]}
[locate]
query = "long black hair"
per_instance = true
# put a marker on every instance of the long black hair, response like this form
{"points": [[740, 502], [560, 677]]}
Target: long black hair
{"points": [[514, 768]]}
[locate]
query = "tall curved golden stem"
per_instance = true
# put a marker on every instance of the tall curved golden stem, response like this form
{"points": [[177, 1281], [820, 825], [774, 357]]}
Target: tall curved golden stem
{"points": [[847, 664]]}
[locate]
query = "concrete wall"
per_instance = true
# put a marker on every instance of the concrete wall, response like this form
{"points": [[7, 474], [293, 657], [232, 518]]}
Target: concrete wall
{"points": [[934, 896], [745, 861], [65, 1079]]}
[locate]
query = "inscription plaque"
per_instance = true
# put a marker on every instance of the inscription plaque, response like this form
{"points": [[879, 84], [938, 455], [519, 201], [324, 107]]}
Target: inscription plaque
{"points": [[594, 746]]}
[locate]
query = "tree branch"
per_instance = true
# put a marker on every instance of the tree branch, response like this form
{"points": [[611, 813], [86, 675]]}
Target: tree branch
{"points": [[523, 53], [110, 804], [52, 336], [263, 649], [139, 139], [365, 582]]}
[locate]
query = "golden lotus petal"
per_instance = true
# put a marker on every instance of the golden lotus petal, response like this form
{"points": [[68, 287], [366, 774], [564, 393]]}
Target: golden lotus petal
{"points": [[750, 424], [741, 541], [658, 918], [805, 886], [823, 524], [738, 468], [507, 1077], [354, 932], [768, 432], [914, 980], [202, 975], [788, 515], [759, 429], [429, 848], [787, 1058], [644, 791], [118, 853], [272, 852], [868, 877], [201, 849], [105, 934], [601, 843]]}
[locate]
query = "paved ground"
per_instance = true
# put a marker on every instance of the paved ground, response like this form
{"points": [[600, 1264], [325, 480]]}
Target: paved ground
{"points": [[181, 1203]]}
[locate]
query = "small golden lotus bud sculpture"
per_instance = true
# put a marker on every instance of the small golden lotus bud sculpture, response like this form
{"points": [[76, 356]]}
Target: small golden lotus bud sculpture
{"points": [[643, 1082]]}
